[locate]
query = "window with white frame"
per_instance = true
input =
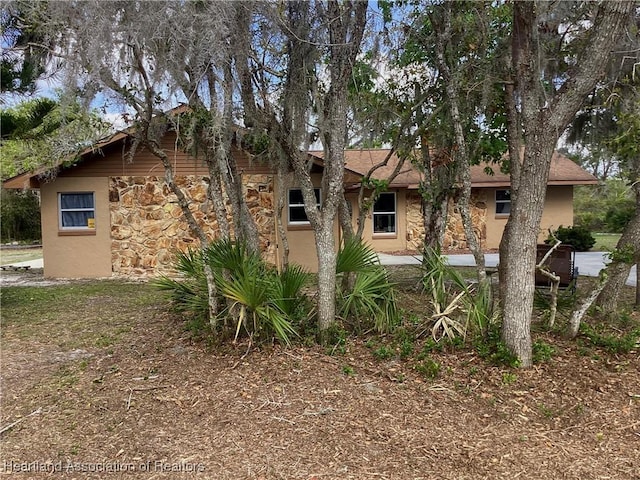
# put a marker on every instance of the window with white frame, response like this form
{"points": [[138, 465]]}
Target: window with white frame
{"points": [[503, 202], [384, 213], [297, 215], [77, 210]]}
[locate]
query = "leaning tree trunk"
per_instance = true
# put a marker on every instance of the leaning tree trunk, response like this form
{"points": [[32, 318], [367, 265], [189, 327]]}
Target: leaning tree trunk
{"points": [[244, 223], [627, 249], [283, 243], [212, 297]]}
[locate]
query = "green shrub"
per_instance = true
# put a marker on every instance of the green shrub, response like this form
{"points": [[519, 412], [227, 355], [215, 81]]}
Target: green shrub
{"points": [[492, 348], [619, 216], [255, 296], [383, 352], [542, 351], [612, 343], [579, 237], [428, 368]]}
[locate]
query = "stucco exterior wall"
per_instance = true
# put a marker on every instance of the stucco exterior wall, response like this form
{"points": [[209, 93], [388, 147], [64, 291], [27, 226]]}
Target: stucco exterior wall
{"points": [[139, 225], [301, 239], [76, 253], [387, 242], [558, 210]]}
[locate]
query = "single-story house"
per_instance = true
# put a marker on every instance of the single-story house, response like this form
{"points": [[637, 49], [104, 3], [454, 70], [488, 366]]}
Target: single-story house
{"points": [[107, 216]]}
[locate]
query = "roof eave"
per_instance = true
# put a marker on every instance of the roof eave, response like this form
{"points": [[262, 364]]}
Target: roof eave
{"points": [[24, 181]]}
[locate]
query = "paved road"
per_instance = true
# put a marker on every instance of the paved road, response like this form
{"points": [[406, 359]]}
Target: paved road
{"points": [[588, 263]]}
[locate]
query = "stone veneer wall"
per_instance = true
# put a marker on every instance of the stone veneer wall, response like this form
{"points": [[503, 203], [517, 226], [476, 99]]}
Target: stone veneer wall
{"points": [[147, 226], [454, 237]]}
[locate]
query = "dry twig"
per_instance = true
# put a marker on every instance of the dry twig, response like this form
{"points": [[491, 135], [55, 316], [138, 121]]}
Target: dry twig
{"points": [[20, 420]]}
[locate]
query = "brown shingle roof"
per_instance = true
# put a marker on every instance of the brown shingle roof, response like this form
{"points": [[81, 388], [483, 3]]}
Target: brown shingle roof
{"points": [[563, 171]]}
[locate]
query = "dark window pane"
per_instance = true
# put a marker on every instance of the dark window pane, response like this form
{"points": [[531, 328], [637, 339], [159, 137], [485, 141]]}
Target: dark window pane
{"points": [[76, 219], [295, 197], [386, 202], [76, 200], [504, 207], [504, 195], [384, 223], [297, 214], [296, 205]]}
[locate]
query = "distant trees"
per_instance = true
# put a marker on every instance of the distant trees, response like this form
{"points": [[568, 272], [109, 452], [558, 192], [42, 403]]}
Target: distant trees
{"points": [[25, 56], [39, 133], [19, 216], [608, 127]]}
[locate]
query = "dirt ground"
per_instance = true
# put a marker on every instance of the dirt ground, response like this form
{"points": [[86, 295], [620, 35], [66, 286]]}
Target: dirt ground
{"points": [[108, 384]]}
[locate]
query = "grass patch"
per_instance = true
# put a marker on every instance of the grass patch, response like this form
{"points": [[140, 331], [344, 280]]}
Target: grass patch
{"points": [[10, 256], [605, 242], [76, 315]]}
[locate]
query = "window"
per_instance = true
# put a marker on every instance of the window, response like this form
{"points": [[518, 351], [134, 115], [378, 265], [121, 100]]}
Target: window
{"points": [[77, 211], [384, 213], [503, 202], [297, 215]]}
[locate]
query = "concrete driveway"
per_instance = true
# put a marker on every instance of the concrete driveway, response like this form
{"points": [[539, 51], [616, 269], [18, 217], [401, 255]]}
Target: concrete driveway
{"points": [[588, 263]]}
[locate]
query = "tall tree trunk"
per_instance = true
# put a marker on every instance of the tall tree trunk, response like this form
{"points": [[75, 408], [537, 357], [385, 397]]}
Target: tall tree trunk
{"points": [[212, 297], [327, 258], [216, 196], [435, 191], [244, 225], [637, 304], [345, 216], [283, 243], [443, 37], [543, 119]]}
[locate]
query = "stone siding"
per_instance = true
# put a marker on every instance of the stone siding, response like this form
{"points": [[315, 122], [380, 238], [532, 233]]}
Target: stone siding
{"points": [[454, 236], [147, 225]]}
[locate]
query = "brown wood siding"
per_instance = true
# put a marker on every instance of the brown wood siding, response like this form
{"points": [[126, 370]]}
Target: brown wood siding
{"points": [[112, 162]]}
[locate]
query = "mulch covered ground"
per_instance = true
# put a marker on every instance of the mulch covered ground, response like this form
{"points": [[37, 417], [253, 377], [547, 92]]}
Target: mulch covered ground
{"points": [[152, 402]]}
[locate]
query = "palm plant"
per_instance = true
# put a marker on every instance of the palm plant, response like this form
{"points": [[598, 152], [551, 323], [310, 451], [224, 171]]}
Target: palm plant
{"points": [[189, 293], [288, 286], [480, 308], [370, 295], [259, 299], [447, 289]]}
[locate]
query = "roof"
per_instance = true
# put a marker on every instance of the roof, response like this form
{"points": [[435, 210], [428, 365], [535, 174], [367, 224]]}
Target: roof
{"points": [[563, 171], [30, 179], [358, 163]]}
